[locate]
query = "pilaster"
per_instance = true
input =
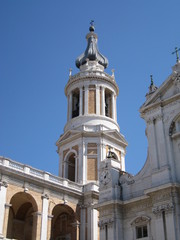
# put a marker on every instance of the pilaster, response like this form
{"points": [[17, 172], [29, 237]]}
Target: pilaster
{"points": [[83, 222], [6, 217], [70, 106], [92, 223], [44, 223], [97, 100], [50, 217], [86, 100], [80, 101], [113, 106], [3, 190], [103, 101]]}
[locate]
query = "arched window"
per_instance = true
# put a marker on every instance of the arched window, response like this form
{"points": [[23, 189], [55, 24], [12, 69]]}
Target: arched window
{"points": [[75, 103], [70, 166], [108, 103], [175, 126]]}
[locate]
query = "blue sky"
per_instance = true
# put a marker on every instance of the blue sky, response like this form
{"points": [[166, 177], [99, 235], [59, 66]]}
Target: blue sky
{"points": [[40, 41]]}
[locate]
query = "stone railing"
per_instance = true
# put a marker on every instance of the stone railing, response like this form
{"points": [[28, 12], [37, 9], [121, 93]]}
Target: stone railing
{"points": [[91, 73], [38, 174]]}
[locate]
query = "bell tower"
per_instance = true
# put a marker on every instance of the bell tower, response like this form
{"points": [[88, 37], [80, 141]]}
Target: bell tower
{"points": [[91, 130]]}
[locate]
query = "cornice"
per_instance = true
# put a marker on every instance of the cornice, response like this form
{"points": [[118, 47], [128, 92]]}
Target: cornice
{"points": [[83, 134], [161, 103], [96, 75]]}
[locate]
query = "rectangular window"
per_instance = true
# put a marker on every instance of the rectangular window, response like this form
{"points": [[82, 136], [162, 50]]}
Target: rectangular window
{"points": [[141, 232]]}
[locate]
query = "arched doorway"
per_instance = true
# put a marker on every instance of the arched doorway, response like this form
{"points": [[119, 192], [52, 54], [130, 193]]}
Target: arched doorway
{"points": [[64, 225], [21, 224]]}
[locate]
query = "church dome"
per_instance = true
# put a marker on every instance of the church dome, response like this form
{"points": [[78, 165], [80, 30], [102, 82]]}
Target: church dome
{"points": [[91, 53]]}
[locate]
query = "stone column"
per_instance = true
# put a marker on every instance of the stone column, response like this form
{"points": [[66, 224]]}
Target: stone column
{"points": [[70, 106], [80, 101], [92, 222], [97, 100], [98, 158], [170, 224], [103, 101], [86, 100], [111, 230], [44, 222], [6, 217], [80, 165], [113, 105], [50, 217], [162, 151], [60, 164], [83, 223], [3, 190], [102, 232], [151, 135], [159, 228], [84, 163], [76, 169], [123, 162]]}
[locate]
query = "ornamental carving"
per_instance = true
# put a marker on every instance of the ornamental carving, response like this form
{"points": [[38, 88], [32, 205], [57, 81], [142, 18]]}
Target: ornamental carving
{"points": [[141, 220], [3, 184], [107, 222], [164, 207], [126, 178], [45, 196]]}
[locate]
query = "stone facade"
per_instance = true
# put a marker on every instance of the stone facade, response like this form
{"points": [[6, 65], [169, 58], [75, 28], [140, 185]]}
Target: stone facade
{"points": [[146, 206], [93, 198]]}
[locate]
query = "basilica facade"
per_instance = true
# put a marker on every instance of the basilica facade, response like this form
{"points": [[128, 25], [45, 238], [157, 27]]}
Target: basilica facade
{"points": [[94, 198]]}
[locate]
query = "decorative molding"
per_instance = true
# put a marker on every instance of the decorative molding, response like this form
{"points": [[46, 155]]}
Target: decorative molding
{"points": [[157, 117], [164, 195], [38, 214], [140, 220], [3, 184], [7, 205], [164, 207], [107, 222], [50, 217], [126, 178], [45, 196]]}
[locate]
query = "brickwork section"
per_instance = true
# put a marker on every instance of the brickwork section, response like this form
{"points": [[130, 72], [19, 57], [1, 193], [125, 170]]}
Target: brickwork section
{"points": [[92, 100], [92, 169]]}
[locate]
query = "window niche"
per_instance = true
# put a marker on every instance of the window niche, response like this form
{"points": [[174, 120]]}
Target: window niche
{"points": [[141, 228], [75, 103], [141, 232]]}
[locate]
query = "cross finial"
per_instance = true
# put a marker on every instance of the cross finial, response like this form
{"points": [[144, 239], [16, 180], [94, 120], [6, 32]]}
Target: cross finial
{"points": [[177, 54], [152, 82], [92, 22]]}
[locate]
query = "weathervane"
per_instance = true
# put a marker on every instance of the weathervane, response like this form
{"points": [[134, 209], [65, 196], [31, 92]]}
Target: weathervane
{"points": [[177, 54]]}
